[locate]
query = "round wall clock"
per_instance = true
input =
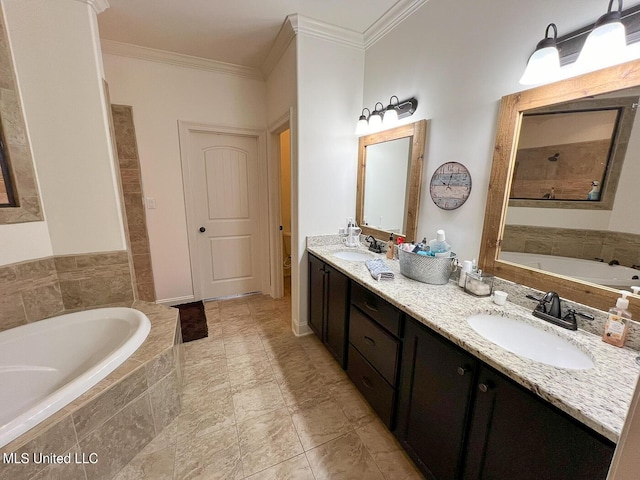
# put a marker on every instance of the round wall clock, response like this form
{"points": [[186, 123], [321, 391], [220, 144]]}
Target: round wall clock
{"points": [[450, 185]]}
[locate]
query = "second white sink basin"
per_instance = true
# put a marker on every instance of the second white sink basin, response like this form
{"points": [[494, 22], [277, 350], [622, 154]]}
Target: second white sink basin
{"points": [[353, 255], [530, 342]]}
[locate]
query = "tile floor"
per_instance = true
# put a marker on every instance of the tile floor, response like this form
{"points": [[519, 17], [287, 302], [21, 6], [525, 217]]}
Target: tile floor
{"points": [[260, 403]]}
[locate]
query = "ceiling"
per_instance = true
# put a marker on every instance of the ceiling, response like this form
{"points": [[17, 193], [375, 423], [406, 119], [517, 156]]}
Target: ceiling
{"points": [[240, 32]]}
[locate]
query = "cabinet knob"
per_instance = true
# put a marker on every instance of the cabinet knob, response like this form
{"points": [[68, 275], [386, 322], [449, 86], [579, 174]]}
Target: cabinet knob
{"points": [[462, 371], [484, 388]]}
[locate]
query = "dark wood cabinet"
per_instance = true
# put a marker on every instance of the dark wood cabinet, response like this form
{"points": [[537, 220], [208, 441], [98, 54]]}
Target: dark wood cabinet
{"points": [[514, 434], [328, 307], [435, 401], [459, 419], [374, 351]]}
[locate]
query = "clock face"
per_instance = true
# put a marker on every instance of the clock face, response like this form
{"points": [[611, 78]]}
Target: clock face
{"points": [[450, 185]]}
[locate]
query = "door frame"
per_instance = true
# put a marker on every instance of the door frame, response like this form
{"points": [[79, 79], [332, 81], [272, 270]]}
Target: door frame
{"points": [[275, 194], [185, 128]]}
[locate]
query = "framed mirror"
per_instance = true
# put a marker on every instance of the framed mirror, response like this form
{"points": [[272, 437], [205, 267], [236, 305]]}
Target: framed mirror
{"points": [[389, 175], [567, 249], [19, 196]]}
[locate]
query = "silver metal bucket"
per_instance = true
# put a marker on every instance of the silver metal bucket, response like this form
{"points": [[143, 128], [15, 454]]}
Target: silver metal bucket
{"points": [[425, 269]]}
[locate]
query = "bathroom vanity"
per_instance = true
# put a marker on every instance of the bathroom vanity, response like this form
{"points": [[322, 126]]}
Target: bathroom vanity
{"points": [[461, 406]]}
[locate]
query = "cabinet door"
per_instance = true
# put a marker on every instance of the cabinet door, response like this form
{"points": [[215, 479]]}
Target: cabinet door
{"points": [[335, 338], [435, 390], [317, 279], [516, 435]]}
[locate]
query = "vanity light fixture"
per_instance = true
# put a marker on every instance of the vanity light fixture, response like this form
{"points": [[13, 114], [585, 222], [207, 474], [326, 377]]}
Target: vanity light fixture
{"points": [[375, 120], [544, 63], [614, 38], [391, 114], [382, 118], [605, 45], [363, 122]]}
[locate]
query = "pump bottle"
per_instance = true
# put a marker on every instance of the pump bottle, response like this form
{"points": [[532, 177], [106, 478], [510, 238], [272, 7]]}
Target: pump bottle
{"points": [[617, 326]]}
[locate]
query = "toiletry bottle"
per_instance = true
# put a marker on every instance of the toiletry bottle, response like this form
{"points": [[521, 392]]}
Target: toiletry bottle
{"points": [[617, 326], [420, 246], [390, 247], [594, 193], [466, 268], [438, 247]]}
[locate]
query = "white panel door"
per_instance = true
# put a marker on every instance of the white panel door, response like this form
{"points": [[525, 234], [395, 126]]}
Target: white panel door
{"points": [[223, 173]]}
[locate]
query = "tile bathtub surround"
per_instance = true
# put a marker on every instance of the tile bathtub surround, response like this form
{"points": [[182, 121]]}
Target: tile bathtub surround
{"points": [[262, 404], [598, 397], [131, 181], [94, 279], [574, 243], [29, 291], [116, 418], [37, 289]]}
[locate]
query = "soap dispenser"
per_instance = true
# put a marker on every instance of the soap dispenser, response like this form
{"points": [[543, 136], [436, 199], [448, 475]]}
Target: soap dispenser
{"points": [[617, 326]]}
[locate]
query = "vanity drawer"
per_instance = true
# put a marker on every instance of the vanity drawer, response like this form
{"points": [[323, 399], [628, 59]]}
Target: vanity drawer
{"points": [[380, 395], [380, 310], [375, 344]]}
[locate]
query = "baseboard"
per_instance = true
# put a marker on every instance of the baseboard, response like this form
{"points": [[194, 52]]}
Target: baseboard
{"points": [[170, 302], [301, 330]]}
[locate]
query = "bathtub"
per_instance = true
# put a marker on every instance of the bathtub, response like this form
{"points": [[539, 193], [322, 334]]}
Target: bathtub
{"points": [[601, 273], [47, 364]]}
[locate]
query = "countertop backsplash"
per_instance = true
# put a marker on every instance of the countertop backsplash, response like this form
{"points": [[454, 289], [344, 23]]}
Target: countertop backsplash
{"points": [[518, 295]]}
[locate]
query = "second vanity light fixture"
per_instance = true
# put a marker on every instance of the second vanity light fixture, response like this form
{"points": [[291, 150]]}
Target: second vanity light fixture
{"points": [[382, 117], [605, 45]]}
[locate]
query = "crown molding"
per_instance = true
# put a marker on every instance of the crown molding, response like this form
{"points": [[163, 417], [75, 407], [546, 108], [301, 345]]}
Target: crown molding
{"points": [[326, 31], [283, 39], [177, 59], [98, 5], [391, 19]]}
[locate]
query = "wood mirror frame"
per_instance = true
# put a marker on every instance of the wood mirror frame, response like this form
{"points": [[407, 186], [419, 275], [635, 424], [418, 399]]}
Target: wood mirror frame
{"points": [[417, 132], [510, 115]]}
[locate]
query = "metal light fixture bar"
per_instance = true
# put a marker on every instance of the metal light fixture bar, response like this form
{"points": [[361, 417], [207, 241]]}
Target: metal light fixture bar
{"points": [[374, 120], [571, 44], [406, 108]]}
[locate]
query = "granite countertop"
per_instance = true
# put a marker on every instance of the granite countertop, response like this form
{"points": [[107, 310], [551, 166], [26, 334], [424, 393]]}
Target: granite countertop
{"points": [[598, 397]]}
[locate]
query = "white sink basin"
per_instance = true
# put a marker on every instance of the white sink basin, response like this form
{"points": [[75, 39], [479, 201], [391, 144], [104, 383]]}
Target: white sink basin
{"points": [[353, 255], [530, 342]]}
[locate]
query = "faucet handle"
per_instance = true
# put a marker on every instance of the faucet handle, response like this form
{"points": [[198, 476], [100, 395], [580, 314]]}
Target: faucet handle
{"points": [[571, 315]]}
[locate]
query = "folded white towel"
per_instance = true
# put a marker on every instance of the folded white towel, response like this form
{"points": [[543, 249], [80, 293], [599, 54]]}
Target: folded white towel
{"points": [[379, 269]]}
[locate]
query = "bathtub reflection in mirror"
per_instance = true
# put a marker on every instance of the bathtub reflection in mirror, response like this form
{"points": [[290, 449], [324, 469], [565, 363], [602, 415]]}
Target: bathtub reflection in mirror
{"points": [[586, 223]]}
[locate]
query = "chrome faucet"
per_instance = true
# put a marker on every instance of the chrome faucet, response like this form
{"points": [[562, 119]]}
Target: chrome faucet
{"points": [[549, 308]]}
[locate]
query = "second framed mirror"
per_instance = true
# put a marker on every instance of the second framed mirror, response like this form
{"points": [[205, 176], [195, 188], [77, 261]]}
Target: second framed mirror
{"points": [[389, 177]]}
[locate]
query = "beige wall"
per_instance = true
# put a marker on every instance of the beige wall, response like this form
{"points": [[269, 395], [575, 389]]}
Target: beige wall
{"points": [[160, 96], [65, 111]]}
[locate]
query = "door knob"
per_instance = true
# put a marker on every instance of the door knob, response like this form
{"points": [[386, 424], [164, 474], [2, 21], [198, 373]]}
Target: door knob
{"points": [[202, 229]]}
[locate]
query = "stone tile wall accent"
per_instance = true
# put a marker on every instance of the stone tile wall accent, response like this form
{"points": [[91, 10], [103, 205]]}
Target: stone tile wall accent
{"points": [[42, 288], [115, 419], [130, 179], [94, 280], [574, 243], [29, 291]]}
